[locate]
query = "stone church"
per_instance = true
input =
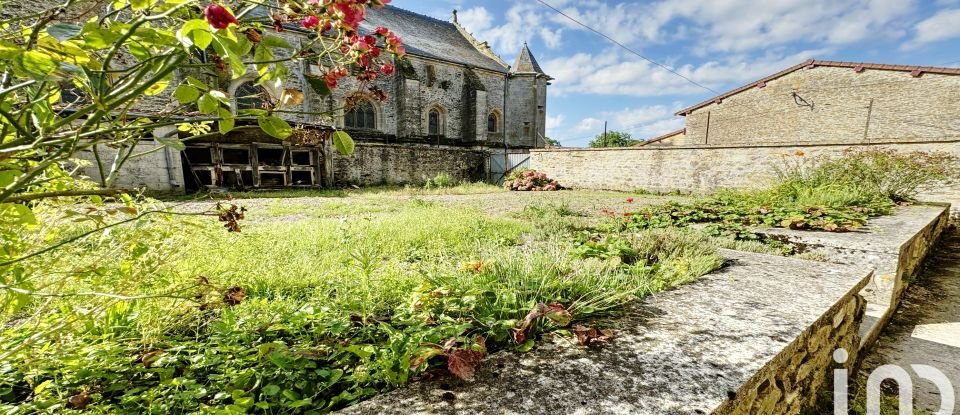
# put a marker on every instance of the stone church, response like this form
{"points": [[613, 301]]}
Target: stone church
{"points": [[451, 104], [450, 89]]}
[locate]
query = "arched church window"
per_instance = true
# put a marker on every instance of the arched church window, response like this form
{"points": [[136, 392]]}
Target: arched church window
{"points": [[492, 123], [433, 122], [249, 96], [362, 115]]}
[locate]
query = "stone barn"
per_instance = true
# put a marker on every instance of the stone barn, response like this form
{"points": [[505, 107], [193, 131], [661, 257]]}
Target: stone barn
{"points": [[821, 101]]}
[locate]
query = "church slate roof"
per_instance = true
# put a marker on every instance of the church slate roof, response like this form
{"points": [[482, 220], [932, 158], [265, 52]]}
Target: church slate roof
{"points": [[428, 37], [526, 63]]}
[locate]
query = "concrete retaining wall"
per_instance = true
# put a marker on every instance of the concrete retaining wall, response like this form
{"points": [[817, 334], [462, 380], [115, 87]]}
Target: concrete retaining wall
{"points": [[702, 169], [756, 337], [893, 247]]}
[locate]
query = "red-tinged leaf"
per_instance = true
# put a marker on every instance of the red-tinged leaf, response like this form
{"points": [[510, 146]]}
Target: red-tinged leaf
{"points": [[462, 363], [592, 336], [557, 313], [520, 332]]}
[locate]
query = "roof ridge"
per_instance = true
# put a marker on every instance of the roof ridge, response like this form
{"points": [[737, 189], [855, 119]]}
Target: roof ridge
{"points": [[916, 70], [482, 47], [390, 6]]}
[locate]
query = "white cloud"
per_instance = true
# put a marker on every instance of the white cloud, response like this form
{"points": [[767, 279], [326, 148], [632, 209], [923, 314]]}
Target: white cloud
{"points": [[589, 124], [554, 123], [524, 22], [742, 25], [612, 72], [941, 26]]}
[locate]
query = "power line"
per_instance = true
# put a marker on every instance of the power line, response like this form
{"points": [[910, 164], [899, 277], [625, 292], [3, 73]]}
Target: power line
{"points": [[628, 49]]}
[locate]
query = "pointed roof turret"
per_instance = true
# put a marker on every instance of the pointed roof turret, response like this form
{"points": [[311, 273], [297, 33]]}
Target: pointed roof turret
{"points": [[526, 63]]}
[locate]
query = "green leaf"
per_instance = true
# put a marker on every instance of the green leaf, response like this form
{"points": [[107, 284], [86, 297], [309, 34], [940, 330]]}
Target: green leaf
{"points": [[157, 87], [140, 4], [275, 127], [343, 142], [173, 143], [186, 94], [271, 390], [526, 346], [98, 38], [195, 32], [7, 177], [275, 42], [36, 64], [21, 213], [196, 83], [207, 104], [64, 31], [227, 121], [319, 86]]}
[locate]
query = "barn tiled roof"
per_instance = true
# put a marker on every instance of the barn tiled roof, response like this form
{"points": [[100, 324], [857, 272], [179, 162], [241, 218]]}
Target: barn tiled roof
{"points": [[428, 37], [812, 63], [662, 137]]}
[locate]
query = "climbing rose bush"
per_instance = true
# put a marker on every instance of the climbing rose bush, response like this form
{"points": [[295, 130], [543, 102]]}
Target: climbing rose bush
{"points": [[531, 180]]}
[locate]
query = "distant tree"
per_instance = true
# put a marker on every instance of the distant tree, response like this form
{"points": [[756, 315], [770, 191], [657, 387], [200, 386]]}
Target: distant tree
{"points": [[549, 142], [613, 139]]}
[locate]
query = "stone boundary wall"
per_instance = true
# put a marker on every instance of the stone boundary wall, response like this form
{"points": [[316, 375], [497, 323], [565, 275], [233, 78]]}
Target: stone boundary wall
{"points": [[375, 164], [702, 169]]}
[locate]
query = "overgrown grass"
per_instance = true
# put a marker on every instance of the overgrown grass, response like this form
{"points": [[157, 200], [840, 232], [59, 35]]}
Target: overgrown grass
{"points": [[312, 307], [834, 195], [447, 188]]}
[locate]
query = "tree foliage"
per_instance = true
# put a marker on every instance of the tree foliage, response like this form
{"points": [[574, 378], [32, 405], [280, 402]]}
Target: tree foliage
{"points": [[88, 81], [613, 139]]}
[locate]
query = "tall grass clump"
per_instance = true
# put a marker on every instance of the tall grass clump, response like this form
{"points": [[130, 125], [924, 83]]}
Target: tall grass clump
{"points": [[827, 194]]}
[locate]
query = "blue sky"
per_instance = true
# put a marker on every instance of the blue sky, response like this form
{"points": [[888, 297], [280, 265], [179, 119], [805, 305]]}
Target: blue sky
{"points": [[721, 44]]}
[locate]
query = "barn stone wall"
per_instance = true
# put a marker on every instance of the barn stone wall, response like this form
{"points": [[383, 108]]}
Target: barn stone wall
{"points": [[830, 104]]}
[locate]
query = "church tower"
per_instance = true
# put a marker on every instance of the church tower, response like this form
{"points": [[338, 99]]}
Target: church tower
{"points": [[526, 106]]}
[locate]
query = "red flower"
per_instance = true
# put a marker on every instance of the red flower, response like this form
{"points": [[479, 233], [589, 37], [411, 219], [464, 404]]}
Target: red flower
{"points": [[382, 31], [626, 214], [219, 17], [388, 69], [310, 22], [629, 200]]}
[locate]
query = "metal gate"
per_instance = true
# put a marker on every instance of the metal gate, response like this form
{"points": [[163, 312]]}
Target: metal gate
{"points": [[502, 163]]}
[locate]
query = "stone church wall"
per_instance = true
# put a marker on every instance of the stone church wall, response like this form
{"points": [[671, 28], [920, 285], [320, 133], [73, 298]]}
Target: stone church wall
{"points": [[375, 164]]}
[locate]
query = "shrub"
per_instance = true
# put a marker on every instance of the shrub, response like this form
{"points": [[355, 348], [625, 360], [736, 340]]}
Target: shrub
{"points": [[885, 173], [530, 180], [813, 194], [440, 181]]}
